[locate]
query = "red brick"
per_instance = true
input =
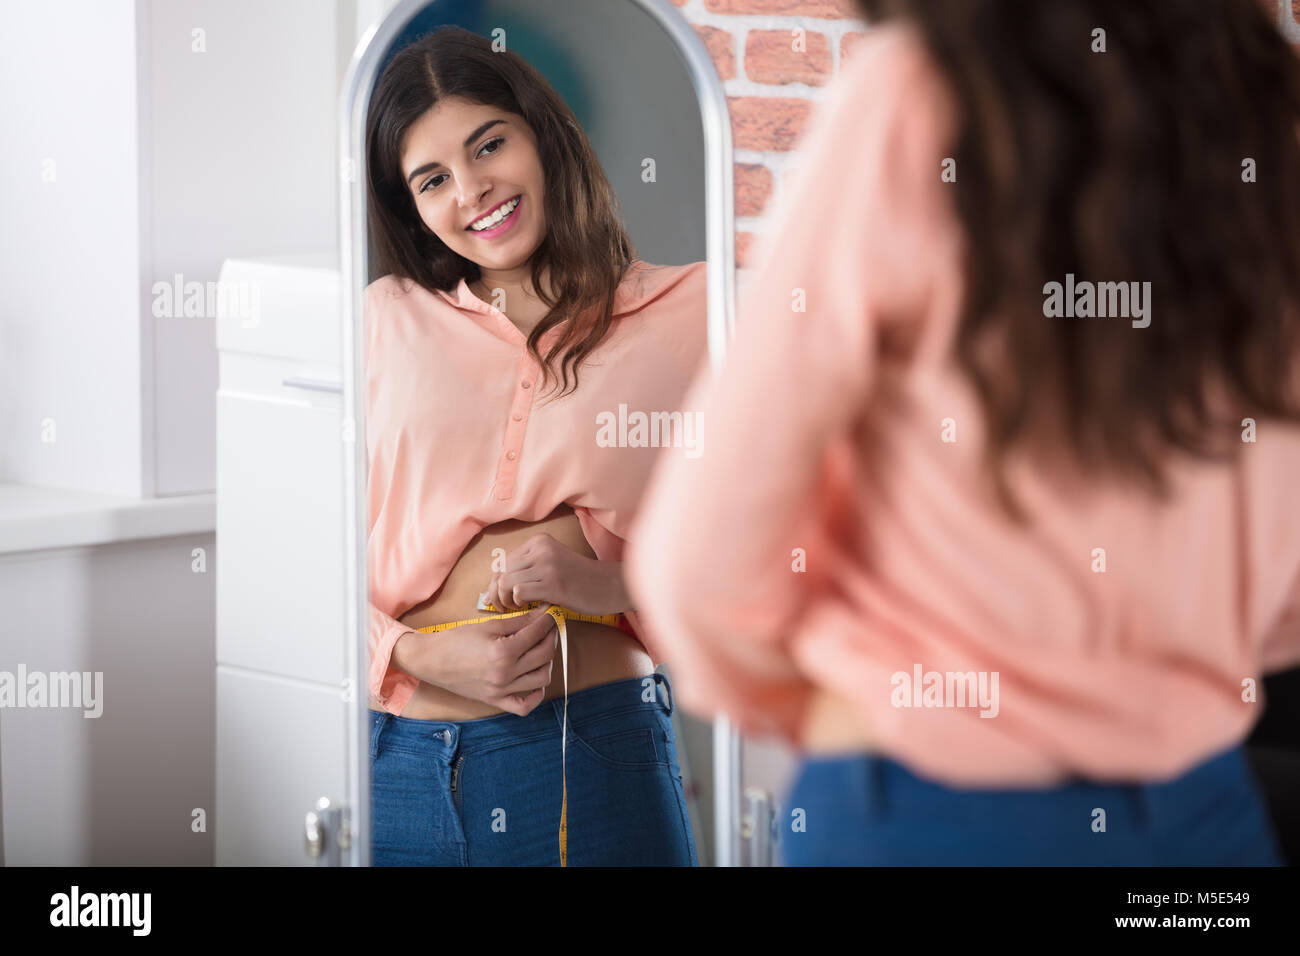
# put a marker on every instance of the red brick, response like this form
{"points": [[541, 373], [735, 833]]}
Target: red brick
{"points": [[848, 43], [721, 45], [753, 188], [826, 9], [767, 122], [770, 57]]}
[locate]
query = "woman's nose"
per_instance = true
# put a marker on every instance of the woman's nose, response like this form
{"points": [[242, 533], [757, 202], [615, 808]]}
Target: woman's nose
{"points": [[470, 191]]}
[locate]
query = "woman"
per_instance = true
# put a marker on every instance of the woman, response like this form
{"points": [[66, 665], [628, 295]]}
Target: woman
{"points": [[508, 270], [1009, 572]]}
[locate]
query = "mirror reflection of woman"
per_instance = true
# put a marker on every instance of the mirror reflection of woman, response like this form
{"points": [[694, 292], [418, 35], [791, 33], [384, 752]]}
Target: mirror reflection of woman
{"points": [[511, 313]]}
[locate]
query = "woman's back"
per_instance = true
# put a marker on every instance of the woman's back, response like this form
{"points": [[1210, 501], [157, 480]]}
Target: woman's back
{"points": [[1112, 635]]}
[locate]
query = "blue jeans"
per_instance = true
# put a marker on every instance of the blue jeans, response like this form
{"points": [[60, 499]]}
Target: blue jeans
{"points": [[866, 810], [488, 792]]}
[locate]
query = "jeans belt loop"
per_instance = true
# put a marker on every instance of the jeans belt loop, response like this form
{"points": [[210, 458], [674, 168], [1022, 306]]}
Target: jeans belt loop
{"points": [[877, 786], [667, 702]]}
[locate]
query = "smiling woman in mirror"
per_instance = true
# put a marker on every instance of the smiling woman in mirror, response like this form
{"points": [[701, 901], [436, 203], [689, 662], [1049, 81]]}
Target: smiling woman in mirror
{"points": [[511, 315]]}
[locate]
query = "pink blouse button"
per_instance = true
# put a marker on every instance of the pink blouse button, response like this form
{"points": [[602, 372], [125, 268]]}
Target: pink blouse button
{"points": [[517, 417], [525, 384], [510, 455]]}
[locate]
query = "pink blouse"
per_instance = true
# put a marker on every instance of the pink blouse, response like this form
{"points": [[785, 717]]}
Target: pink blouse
{"points": [[836, 533], [458, 440]]}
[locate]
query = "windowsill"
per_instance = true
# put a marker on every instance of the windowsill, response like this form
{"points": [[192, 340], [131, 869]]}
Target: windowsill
{"points": [[38, 518]]}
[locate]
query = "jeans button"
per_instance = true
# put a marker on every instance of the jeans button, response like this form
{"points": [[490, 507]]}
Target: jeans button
{"points": [[446, 737]]}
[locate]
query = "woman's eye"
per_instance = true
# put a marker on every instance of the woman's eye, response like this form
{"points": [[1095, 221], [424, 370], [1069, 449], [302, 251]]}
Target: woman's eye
{"points": [[495, 141]]}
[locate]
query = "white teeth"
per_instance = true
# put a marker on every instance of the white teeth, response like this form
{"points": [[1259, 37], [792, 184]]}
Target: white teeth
{"points": [[487, 222]]}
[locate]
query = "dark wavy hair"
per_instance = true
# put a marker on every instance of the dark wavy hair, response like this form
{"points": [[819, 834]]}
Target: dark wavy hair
{"points": [[1123, 165], [586, 248]]}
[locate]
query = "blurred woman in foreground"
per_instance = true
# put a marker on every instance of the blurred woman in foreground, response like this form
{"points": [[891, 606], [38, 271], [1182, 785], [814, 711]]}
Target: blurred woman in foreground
{"points": [[995, 516]]}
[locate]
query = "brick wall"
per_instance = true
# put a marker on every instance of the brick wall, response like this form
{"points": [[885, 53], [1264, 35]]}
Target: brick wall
{"points": [[772, 87]]}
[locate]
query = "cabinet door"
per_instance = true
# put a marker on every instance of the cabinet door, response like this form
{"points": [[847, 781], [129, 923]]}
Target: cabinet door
{"points": [[280, 747], [283, 710], [280, 537]]}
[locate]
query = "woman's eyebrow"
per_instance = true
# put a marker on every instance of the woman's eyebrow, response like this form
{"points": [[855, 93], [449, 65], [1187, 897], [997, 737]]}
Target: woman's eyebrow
{"points": [[468, 139]]}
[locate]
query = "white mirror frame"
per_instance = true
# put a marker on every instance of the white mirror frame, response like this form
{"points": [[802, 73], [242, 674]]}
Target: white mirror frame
{"points": [[720, 255]]}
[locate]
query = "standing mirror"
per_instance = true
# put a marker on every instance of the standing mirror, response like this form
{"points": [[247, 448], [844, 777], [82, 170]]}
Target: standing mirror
{"points": [[536, 258]]}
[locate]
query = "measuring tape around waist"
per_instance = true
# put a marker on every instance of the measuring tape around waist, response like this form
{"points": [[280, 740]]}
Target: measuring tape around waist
{"points": [[560, 615]]}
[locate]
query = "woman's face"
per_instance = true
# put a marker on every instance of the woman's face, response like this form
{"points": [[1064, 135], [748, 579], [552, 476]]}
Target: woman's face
{"points": [[465, 163]]}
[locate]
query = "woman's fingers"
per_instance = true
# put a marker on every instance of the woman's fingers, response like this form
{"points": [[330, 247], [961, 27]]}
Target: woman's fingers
{"points": [[523, 592], [521, 705], [535, 663], [518, 639], [519, 560], [497, 596], [524, 565], [511, 588], [536, 679], [490, 597]]}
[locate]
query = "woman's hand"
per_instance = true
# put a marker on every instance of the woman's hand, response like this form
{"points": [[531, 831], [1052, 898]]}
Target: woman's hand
{"points": [[543, 569], [505, 663]]}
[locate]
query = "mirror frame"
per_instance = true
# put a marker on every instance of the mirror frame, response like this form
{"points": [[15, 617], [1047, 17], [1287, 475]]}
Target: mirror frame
{"points": [[354, 104]]}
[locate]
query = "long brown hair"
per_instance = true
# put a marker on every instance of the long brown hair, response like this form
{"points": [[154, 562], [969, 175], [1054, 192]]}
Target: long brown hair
{"points": [[585, 251], [1127, 164]]}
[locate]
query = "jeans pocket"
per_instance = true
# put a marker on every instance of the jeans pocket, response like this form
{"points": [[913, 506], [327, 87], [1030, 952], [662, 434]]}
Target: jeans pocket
{"points": [[633, 740]]}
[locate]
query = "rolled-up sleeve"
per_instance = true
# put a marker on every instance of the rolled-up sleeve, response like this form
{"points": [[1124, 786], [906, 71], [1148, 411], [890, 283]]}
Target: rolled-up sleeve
{"points": [[389, 685]]}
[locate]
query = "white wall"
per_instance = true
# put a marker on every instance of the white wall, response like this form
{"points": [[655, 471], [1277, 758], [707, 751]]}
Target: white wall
{"points": [[165, 159], [178, 133], [243, 161], [69, 251]]}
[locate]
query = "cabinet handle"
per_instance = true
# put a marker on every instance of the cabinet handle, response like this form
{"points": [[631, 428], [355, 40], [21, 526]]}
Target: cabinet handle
{"points": [[314, 384], [327, 833], [757, 826]]}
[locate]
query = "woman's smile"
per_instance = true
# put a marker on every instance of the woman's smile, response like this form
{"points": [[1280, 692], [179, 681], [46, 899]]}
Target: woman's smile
{"points": [[498, 228]]}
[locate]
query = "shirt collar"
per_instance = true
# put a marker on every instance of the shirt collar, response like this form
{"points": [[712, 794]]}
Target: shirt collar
{"points": [[627, 296]]}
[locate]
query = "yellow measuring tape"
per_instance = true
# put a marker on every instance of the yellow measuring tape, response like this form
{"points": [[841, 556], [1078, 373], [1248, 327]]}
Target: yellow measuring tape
{"points": [[560, 614]]}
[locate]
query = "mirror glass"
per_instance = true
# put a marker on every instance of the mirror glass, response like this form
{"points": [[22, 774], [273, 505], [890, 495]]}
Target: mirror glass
{"points": [[535, 307]]}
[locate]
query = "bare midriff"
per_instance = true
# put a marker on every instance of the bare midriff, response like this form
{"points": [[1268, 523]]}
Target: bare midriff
{"points": [[598, 653], [832, 726]]}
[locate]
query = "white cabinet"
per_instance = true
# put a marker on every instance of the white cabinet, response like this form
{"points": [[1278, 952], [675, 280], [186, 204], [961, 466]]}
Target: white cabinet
{"points": [[280, 525], [283, 710]]}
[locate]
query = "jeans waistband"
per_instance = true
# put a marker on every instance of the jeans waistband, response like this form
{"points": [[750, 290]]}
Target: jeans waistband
{"points": [[449, 736], [881, 781]]}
